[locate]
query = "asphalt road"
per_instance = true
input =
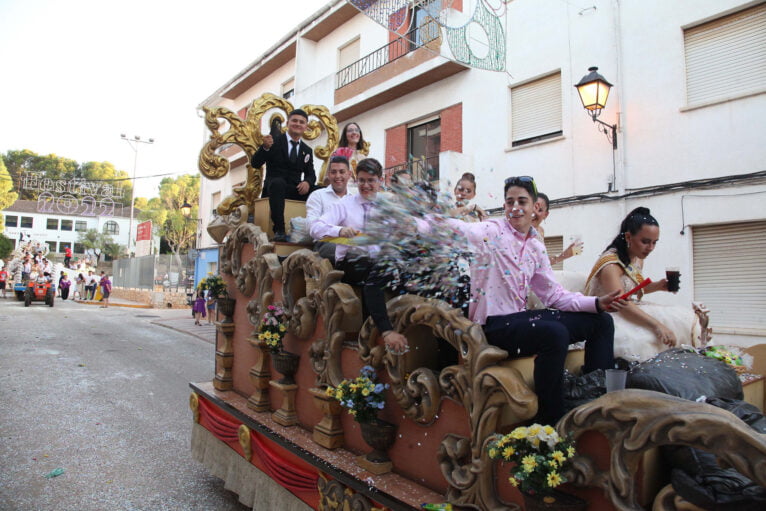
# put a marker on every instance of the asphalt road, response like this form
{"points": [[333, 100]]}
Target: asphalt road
{"points": [[102, 394]]}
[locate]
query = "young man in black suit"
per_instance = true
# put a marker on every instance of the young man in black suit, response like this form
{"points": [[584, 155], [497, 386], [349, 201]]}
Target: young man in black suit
{"points": [[289, 169]]}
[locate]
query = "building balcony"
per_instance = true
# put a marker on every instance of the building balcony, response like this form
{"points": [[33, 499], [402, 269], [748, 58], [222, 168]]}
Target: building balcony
{"points": [[406, 64]]}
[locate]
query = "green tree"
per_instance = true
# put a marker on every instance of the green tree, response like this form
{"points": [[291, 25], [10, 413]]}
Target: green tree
{"points": [[58, 167], [6, 246], [111, 249], [164, 211], [100, 243], [7, 195]]}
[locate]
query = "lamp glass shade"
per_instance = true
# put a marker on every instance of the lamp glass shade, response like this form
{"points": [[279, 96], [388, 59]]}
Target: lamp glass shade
{"points": [[593, 90], [186, 209]]}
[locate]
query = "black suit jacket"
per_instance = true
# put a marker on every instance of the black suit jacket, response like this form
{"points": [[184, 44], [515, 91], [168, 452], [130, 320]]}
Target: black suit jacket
{"points": [[278, 163]]}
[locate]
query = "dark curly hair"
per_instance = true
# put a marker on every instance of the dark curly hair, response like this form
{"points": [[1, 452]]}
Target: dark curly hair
{"points": [[632, 223]]}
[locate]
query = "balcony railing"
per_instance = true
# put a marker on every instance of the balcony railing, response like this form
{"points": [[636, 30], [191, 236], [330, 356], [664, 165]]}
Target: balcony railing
{"points": [[422, 169], [399, 47]]}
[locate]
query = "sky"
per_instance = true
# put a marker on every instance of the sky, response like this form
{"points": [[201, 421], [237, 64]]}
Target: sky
{"points": [[75, 75]]}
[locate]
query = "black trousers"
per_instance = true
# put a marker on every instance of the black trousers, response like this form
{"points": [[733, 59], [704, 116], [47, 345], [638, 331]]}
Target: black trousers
{"points": [[548, 334], [277, 190], [363, 272]]}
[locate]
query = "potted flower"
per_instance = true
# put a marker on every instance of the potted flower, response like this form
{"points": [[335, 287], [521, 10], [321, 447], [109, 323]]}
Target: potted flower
{"points": [[364, 397], [217, 288], [539, 456], [271, 332]]}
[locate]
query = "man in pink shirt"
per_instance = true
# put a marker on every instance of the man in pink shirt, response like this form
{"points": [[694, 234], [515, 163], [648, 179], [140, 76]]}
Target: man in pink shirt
{"points": [[347, 219], [509, 262]]}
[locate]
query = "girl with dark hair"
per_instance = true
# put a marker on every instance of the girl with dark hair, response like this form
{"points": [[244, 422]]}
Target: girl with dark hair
{"points": [[351, 146], [465, 192], [642, 329]]}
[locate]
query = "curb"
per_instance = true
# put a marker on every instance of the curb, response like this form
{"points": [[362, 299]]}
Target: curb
{"points": [[181, 330], [113, 304]]}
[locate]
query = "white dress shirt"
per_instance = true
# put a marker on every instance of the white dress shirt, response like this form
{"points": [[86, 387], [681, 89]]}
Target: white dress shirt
{"points": [[349, 212], [320, 201]]}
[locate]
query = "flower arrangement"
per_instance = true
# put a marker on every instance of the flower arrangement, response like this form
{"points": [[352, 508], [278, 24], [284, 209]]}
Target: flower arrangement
{"points": [[273, 328], [363, 396], [540, 456], [214, 284]]}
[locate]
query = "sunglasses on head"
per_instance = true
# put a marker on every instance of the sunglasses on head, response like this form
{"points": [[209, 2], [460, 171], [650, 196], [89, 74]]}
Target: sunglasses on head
{"points": [[520, 181]]}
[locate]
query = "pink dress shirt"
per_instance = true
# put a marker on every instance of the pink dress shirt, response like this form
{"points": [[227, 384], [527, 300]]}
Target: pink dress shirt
{"points": [[349, 212], [506, 266]]}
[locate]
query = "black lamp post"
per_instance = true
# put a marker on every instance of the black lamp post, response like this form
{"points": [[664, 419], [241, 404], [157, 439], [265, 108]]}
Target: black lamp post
{"points": [[594, 91]]}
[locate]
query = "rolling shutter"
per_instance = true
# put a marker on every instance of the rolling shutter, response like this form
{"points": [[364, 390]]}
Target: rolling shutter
{"points": [[555, 245], [536, 108], [730, 273], [726, 57]]}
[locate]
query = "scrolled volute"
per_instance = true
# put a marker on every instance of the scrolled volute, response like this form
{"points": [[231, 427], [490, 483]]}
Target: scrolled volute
{"points": [[635, 421]]}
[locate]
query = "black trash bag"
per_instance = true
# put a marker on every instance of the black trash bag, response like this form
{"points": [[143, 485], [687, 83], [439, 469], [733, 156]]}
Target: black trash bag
{"points": [[686, 374], [579, 390], [697, 477], [750, 414]]}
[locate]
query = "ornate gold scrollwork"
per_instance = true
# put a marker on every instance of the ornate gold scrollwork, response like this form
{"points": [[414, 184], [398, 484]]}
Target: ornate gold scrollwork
{"points": [[635, 421], [243, 433], [194, 405], [305, 272], [267, 268], [334, 496], [341, 311], [247, 135]]}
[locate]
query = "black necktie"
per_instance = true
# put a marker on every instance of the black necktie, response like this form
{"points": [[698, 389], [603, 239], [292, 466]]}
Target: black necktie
{"points": [[294, 152]]}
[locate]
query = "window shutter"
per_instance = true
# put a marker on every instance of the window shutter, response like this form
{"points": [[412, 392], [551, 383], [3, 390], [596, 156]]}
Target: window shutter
{"points": [[729, 276], [555, 245], [348, 54], [726, 57], [536, 108]]}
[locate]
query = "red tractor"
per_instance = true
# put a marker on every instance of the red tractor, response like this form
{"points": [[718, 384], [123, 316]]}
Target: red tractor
{"points": [[39, 292]]}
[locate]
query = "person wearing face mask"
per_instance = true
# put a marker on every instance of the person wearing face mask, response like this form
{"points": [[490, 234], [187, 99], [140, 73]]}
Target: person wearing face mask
{"points": [[509, 261], [642, 329], [465, 192], [322, 199]]}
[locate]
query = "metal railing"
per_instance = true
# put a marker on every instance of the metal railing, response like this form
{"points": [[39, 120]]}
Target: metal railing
{"points": [[399, 47], [422, 169], [166, 272]]}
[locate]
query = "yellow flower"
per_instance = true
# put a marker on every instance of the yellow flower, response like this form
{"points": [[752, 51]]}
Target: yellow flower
{"points": [[552, 463], [508, 452], [529, 462], [330, 391], [558, 456], [365, 392], [535, 441], [282, 328], [338, 394], [493, 453], [549, 430], [570, 451], [519, 433], [513, 481], [352, 411], [554, 479], [533, 430]]}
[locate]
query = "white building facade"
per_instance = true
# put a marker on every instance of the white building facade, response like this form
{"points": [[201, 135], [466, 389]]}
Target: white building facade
{"points": [[60, 230], [688, 101]]}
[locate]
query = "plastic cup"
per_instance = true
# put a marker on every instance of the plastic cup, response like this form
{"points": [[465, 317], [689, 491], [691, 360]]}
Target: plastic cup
{"points": [[673, 275], [615, 379], [577, 240]]}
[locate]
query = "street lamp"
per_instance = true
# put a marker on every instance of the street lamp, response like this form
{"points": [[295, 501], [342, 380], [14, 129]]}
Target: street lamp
{"points": [[186, 209], [133, 143], [594, 91]]}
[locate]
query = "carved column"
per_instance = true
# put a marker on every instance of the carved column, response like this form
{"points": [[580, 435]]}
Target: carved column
{"points": [[260, 374], [224, 356], [286, 415], [329, 432]]}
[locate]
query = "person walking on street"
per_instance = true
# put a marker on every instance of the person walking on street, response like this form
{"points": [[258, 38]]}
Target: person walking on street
{"points": [[106, 289], [210, 303], [199, 308], [64, 285], [3, 279]]}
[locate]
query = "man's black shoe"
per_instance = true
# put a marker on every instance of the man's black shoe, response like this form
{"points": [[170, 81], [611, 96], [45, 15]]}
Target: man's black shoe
{"points": [[279, 237]]}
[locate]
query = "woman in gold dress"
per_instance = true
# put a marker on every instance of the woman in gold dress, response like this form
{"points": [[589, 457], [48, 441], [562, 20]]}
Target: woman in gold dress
{"points": [[642, 329]]}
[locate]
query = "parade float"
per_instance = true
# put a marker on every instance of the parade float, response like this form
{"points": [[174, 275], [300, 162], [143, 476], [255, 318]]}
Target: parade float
{"points": [[294, 354]]}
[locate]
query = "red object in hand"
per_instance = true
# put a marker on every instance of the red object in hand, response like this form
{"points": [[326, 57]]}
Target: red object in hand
{"points": [[636, 289], [346, 152]]}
